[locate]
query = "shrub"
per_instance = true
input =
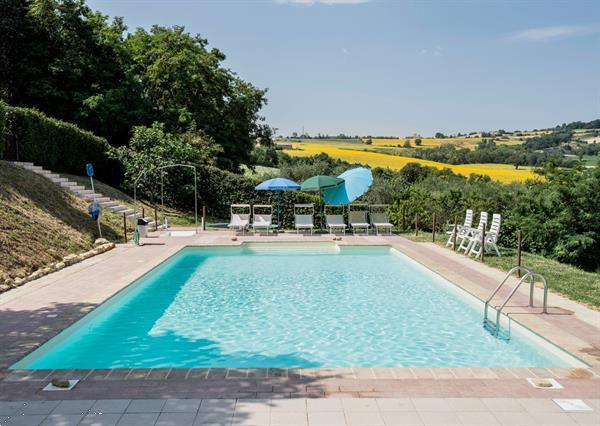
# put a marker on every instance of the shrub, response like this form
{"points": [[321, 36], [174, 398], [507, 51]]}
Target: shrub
{"points": [[57, 145]]}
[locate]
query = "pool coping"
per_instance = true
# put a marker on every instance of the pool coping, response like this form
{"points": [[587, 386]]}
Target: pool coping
{"points": [[360, 379]]}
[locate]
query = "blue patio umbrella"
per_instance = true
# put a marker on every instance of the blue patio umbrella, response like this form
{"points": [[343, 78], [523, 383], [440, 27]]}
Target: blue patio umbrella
{"points": [[278, 184], [357, 181]]}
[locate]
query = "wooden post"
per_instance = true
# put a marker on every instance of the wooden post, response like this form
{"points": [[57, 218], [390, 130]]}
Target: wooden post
{"points": [[455, 232], [143, 213], [519, 243], [416, 224], [204, 218], [482, 244], [433, 229], [155, 220], [124, 227]]}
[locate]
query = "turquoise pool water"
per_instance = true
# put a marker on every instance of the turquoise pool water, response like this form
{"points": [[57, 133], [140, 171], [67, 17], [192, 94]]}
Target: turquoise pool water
{"points": [[295, 306]]}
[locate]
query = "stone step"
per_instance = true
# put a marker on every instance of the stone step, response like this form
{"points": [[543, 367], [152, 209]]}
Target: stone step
{"points": [[44, 172], [76, 188], [59, 180], [117, 208], [90, 195], [105, 202], [68, 184], [52, 176]]}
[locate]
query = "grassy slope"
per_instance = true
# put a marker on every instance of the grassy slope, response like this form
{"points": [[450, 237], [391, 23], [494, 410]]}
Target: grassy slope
{"points": [[40, 223], [567, 280]]}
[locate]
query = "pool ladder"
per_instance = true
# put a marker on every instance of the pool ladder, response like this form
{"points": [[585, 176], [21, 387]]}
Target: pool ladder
{"points": [[494, 326]]}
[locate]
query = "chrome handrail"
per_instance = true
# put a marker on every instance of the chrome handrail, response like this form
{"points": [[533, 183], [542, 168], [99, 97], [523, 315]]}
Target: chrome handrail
{"points": [[529, 275]]}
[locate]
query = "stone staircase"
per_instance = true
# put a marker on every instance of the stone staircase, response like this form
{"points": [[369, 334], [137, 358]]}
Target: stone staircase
{"points": [[106, 203]]}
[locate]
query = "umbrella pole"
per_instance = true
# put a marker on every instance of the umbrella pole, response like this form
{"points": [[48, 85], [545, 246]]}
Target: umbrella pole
{"points": [[278, 209]]}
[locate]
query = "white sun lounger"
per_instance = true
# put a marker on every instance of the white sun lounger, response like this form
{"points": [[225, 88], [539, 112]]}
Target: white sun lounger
{"points": [[239, 220], [462, 231], [335, 222], [304, 221], [379, 219], [358, 218], [262, 220]]}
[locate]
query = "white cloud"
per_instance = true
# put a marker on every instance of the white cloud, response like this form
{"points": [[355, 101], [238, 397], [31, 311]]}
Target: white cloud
{"points": [[437, 52], [325, 2], [345, 51], [552, 33]]}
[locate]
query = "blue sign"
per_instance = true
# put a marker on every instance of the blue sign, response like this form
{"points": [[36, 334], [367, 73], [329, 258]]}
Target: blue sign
{"points": [[94, 211], [89, 169]]}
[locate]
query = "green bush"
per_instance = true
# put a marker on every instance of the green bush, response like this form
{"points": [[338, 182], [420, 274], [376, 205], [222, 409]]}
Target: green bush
{"points": [[57, 145], [2, 126]]}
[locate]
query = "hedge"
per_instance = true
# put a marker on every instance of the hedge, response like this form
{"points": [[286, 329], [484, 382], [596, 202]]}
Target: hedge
{"points": [[56, 145]]}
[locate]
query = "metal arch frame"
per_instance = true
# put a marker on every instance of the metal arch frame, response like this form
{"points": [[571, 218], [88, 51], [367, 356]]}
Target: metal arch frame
{"points": [[162, 199]]}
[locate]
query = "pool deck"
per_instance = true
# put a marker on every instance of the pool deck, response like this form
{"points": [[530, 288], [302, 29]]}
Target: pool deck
{"points": [[35, 312]]}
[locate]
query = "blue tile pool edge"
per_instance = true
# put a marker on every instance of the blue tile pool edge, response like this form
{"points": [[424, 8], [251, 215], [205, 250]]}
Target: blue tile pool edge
{"points": [[137, 284]]}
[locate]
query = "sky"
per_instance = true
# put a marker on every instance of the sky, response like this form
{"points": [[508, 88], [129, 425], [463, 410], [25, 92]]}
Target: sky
{"points": [[377, 67]]}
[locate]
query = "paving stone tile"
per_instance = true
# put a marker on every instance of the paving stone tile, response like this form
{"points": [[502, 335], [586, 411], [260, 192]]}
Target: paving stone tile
{"points": [[396, 418], [26, 420], [38, 407], [256, 418], [217, 405], [261, 373], [514, 418], [477, 418], [146, 406], [466, 404], [138, 373], [359, 404], [439, 418], [552, 419], [403, 373], [288, 418], [62, 420], [295, 404], [503, 404], [217, 373], [324, 404], [110, 406], [117, 374], [431, 404], [77, 406], [236, 373], [395, 404], [364, 418], [138, 419], [251, 405], [8, 408], [178, 374], [104, 419], [326, 418], [181, 406], [176, 419], [98, 374], [587, 419], [214, 417], [536, 405]]}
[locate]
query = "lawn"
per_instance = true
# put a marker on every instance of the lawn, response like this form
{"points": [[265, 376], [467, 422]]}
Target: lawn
{"points": [[569, 281]]}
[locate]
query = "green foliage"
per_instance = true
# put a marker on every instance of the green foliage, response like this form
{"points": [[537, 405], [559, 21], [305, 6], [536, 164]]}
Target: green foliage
{"points": [[2, 126], [56, 145], [153, 147], [68, 61]]}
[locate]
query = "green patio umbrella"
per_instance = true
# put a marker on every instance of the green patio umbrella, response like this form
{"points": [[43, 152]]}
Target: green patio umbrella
{"points": [[319, 183]]}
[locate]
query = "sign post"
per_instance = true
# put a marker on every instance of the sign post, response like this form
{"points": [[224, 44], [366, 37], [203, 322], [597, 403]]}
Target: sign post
{"points": [[94, 207]]}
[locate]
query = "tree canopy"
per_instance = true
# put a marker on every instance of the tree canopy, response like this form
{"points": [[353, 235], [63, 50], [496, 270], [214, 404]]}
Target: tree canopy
{"points": [[70, 62]]}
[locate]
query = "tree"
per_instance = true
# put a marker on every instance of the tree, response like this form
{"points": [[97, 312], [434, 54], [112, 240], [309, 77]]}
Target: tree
{"points": [[406, 143], [439, 135], [418, 142]]}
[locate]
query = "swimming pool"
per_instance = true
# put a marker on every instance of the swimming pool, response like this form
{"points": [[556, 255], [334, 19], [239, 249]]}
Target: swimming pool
{"points": [[277, 306]]}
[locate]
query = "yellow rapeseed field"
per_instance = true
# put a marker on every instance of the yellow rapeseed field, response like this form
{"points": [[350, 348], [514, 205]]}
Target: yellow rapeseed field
{"points": [[501, 172]]}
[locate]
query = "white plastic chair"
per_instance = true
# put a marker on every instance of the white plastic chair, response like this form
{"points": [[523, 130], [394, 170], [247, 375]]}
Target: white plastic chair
{"points": [[467, 241], [490, 238], [462, 230]]}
